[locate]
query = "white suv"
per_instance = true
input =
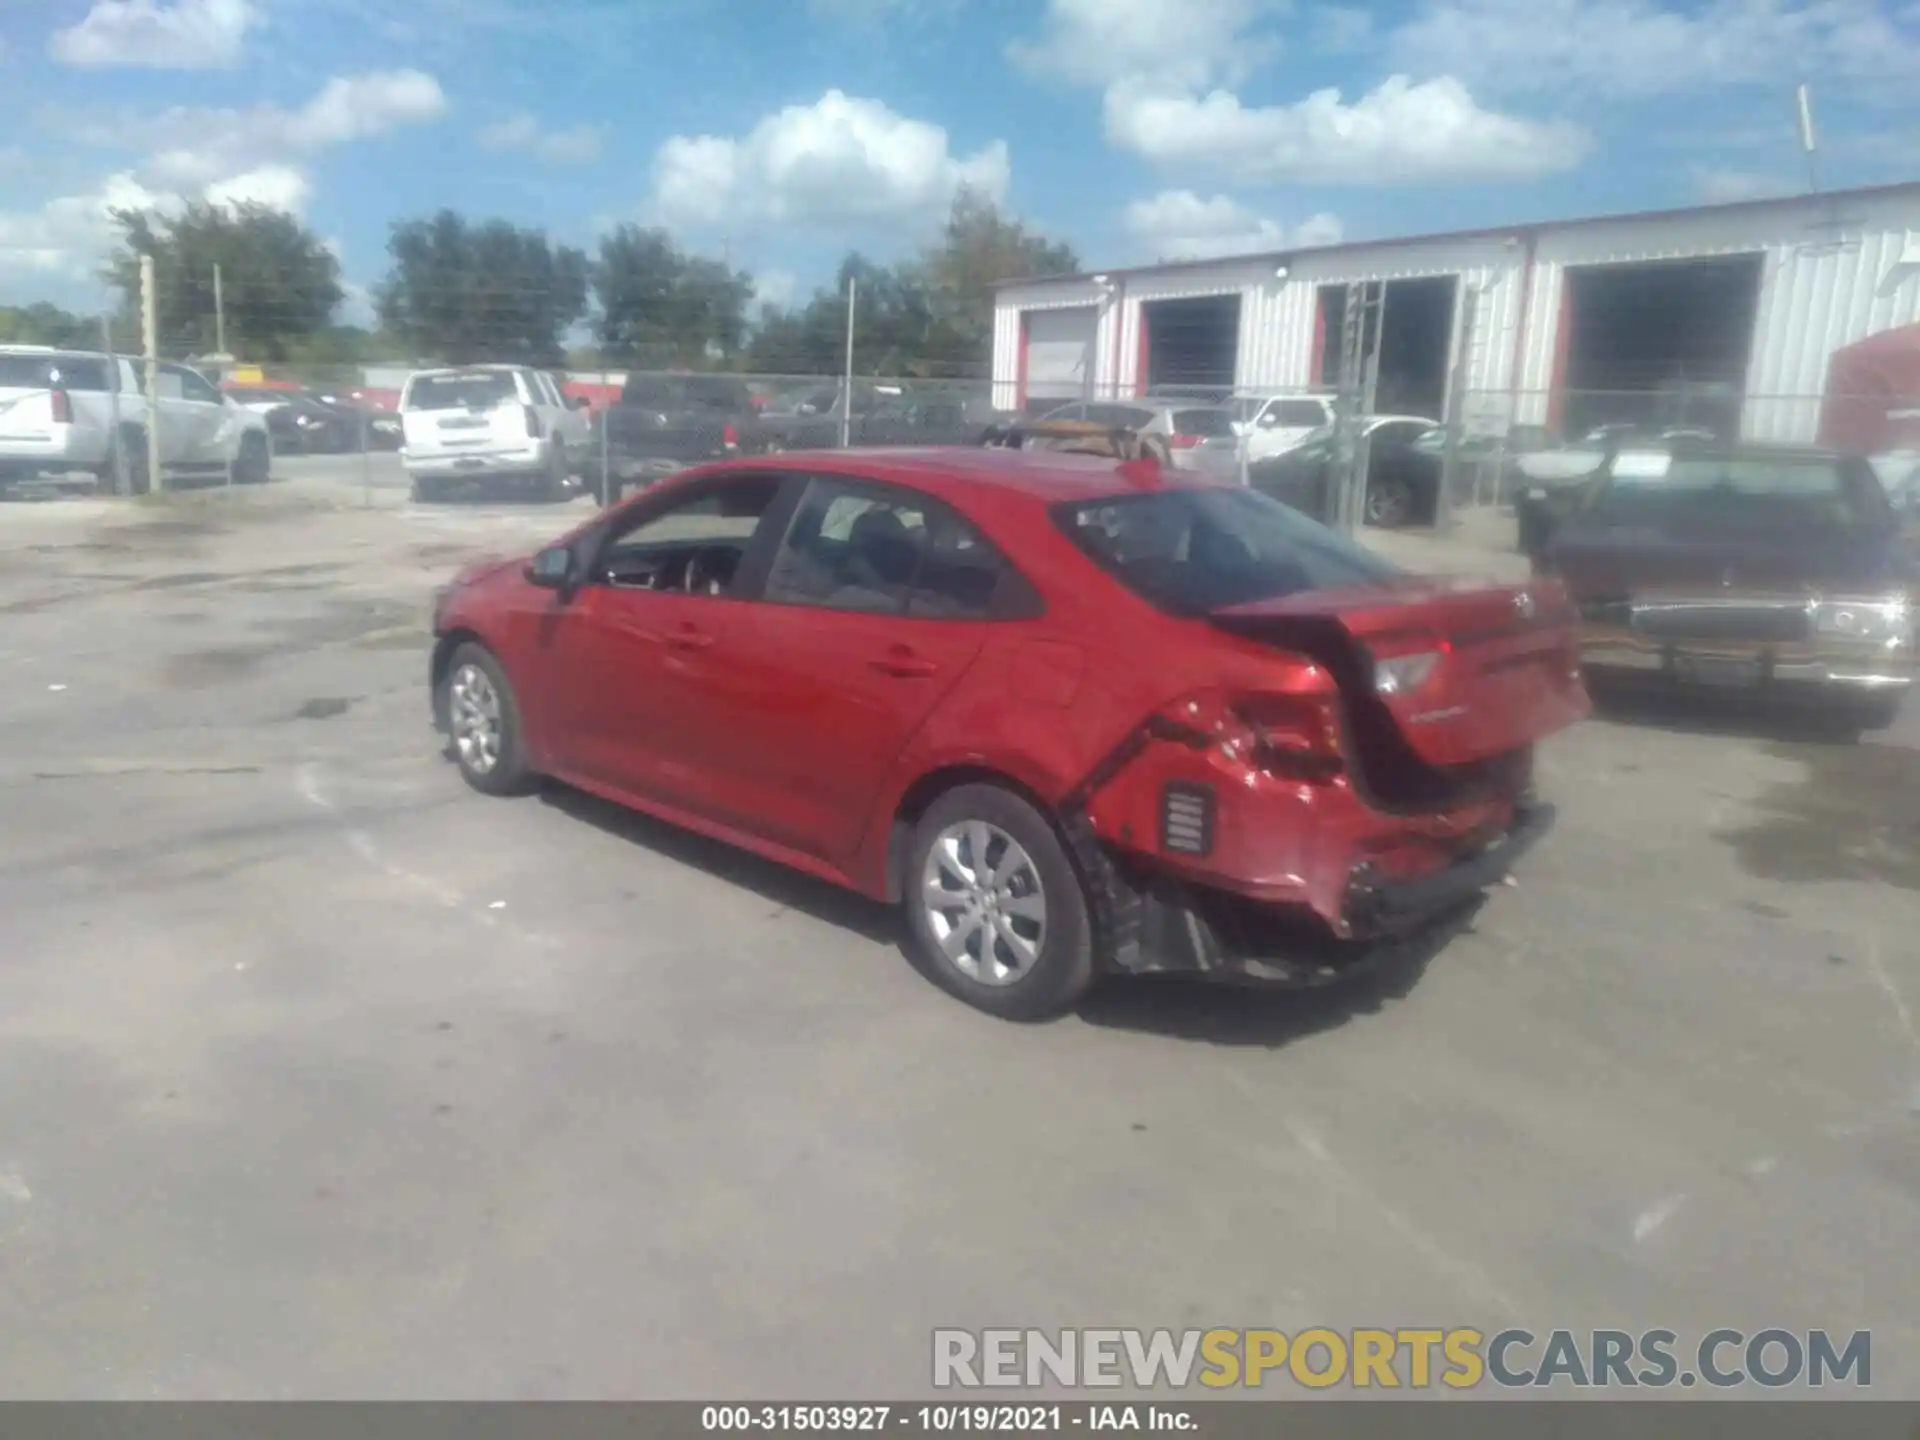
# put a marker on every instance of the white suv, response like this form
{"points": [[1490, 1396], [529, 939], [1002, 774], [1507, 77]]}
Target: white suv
{"points": [[75, 412], [491, 422], [1275, 424]]}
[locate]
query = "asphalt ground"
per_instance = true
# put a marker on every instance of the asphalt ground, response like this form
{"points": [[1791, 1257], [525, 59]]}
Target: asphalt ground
{"points": [[325, 1077]]}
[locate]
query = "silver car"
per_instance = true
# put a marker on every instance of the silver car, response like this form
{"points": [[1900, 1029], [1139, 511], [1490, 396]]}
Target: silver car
{"points": [[1201, 437]]}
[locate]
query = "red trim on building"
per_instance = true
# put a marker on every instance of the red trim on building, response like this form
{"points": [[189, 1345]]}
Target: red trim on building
{"points": [[1020, 367], [1562, 346]]}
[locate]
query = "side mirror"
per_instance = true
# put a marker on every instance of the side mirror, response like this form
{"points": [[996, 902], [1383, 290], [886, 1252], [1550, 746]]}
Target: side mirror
{"points": [[551, 569]]}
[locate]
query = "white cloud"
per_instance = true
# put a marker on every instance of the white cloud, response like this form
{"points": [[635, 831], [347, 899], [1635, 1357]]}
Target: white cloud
{"points": [[1609, 49], [525, 135], [840, 161], [67, 235], [184, 35], [1398, 133], [280, 186], [1180, 225], [1716, 186], [1342, 29], [775, 287], [1180, 42]]}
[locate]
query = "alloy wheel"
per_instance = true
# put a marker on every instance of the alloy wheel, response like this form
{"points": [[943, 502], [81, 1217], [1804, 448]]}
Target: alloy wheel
{"points": [[984, 903], [474, 713]]}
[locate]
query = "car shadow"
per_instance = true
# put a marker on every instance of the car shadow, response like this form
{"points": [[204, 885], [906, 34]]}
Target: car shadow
{"points": [[1181, 1007], [1187, 1008], [1706, 712], [766, 878]]}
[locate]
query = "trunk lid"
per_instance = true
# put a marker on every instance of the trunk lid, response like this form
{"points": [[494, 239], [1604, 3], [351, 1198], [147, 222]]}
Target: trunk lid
{"points": [[450, 415], [1464, 670]]}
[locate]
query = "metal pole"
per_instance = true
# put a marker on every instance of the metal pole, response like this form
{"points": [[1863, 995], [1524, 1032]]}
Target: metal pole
{"points": [[606, 460], [846, 405], [115, 450], [1805, 100], [150, 343], [1456, 407], [219, 316]]}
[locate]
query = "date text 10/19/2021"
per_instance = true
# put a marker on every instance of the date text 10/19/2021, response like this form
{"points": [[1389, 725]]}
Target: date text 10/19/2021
{"points": [[948, 1419]]}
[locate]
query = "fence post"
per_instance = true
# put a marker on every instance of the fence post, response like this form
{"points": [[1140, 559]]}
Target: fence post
{"points": [[115, 449], [846, 402], [150, 344], [1456, 408]]}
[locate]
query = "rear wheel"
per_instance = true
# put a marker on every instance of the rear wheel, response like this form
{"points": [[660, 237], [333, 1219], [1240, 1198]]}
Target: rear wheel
{"points": [[1389, 502], [996, 912], [483, 723], [254, 463]]}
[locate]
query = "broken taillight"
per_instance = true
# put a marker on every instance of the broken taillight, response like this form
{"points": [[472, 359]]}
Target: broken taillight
{"points": [[1293, 735]]}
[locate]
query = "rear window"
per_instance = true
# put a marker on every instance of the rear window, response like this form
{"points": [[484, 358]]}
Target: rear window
{"points": [[480, 391], [53, 372], [1192, 551], [1203, 422]]}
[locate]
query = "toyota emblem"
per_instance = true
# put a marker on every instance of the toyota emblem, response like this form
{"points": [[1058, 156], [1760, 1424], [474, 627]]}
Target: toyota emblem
{"points": [[1523, 604]]}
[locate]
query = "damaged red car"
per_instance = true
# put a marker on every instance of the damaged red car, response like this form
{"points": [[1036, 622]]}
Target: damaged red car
{"points": [[1077, 717]]}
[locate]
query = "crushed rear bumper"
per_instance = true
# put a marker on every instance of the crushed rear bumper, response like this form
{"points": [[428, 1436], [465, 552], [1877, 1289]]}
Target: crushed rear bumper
{"points": [[1183, 927]]}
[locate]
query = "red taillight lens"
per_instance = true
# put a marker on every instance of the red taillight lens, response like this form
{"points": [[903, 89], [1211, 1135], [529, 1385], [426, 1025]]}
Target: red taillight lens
{"points": [[62, 408], [1293, 735], [533, 423], [1184, 442], [730, 436]]}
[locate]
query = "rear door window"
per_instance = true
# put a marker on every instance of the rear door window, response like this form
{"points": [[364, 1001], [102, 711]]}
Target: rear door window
{"points": [[851, 547], [1210, 424]]}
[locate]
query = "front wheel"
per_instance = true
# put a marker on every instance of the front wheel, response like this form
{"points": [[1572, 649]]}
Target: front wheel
{"points": [[996, 912], [483, 723]]}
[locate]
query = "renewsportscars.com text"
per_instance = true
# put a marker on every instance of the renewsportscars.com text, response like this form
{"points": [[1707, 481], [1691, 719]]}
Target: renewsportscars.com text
{"points": [[1417, 1359]]}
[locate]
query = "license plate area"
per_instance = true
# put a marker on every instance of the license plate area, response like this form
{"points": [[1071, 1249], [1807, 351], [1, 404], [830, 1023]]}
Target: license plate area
{"points": [[1724, 672]]}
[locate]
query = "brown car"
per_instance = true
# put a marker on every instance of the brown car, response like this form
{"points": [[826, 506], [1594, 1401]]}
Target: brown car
{"points": [[1771, 571]]}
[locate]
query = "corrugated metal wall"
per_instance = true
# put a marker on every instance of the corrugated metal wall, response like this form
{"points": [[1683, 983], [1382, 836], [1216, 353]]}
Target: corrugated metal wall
{"points": [[1833, 273]]}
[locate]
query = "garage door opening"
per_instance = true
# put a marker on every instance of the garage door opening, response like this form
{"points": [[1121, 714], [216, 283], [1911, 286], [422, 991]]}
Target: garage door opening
{"points": [[1415, 338], [1657, 346], [1056, 356], [1192, 346]]}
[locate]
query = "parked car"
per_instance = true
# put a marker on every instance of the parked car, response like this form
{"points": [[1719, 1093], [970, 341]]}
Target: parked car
{"points": [[664, 423], [1200, 437], [1275, 424], [491, 423], [302, 423], [810, 419], [1552, 481], [1773, 571], [1076, 718], [882, 415], [79, 412], [1405, 459]]}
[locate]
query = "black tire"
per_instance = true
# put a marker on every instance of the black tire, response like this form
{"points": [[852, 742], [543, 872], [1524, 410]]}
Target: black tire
{"points": [[254, 464], [507, 772], [132, 444], [1064, 969], [1871, 712], [1390, 503], [423, 491]]}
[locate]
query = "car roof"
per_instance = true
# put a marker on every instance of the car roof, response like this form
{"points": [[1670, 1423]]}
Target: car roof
{"points": [[1047, 476], [467, 370]]}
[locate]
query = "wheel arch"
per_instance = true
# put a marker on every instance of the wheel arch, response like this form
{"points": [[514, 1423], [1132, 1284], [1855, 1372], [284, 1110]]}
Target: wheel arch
{"points": [[920, 794]]}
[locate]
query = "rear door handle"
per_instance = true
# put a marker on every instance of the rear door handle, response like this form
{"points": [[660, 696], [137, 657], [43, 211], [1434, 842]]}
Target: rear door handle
{"points": [[688, 638], [903, 664]]}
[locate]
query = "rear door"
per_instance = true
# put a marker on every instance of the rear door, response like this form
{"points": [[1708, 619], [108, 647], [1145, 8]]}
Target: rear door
{"points": [[875, 606]]}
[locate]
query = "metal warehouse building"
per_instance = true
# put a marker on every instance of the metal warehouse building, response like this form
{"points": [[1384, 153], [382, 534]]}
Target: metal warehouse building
{"points": [[1561, 325]]}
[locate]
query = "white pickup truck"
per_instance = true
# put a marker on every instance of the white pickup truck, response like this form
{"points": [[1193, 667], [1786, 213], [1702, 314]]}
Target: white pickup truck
{"points": [[79, 412]]}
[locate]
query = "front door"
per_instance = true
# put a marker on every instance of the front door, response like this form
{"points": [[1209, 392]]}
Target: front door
{"points": [[191, 416], [640, 657]]}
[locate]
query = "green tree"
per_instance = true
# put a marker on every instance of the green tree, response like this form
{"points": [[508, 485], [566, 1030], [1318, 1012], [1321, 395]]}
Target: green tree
{"points": [[279, 281], [44, 324], [465, 292], [930, 317], [659, 305]]}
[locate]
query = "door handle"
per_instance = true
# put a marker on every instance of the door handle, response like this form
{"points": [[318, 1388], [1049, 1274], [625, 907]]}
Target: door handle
{"points": [[688, 638], [903, 664]]}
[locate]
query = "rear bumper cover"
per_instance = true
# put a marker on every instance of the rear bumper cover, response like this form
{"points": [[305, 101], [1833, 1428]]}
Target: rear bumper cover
{"points": [[1831, 667], [476, 464], [1184, 927]]}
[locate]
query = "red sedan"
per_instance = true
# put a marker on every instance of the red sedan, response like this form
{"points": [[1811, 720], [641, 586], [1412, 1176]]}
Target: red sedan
{"points": [[1076, 717]]}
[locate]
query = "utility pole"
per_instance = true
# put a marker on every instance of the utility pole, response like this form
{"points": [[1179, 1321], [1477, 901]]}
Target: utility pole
{"points": [[150, 343], [219, 315], [846, 404]]}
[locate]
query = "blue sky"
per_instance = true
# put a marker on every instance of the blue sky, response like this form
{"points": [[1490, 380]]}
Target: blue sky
{"points": [[782, 132]]}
